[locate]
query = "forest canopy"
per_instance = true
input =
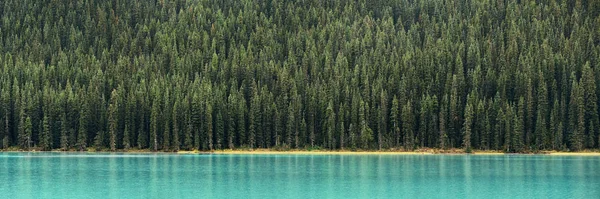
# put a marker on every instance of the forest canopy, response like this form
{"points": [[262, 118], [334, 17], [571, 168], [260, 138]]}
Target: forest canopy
{"points": [[367, 75]]}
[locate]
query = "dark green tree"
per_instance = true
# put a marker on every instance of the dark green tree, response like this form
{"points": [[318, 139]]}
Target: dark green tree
{"points": [[44, 137]]}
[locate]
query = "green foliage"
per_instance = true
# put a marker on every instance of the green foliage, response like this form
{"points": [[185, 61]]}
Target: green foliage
{"points": [[204, 75], [44, 138]]}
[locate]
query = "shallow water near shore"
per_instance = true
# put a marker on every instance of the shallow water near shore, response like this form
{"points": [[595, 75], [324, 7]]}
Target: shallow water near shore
{"points": [[148, 175]]}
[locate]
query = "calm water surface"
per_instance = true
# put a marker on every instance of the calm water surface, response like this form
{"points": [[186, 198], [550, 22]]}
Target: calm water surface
{"points": [[113, 175]]}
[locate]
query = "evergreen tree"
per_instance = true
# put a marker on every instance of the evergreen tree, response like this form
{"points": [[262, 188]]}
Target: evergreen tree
{"points": [[28, 129], [591, 107], [468, 128], [82, 132], [519, 126], [219, 130], [64, 131], [126, 138], [508, 128], [407, 124], [176, 128], [395, 120], [231, 120], [291, 130], [341, 126], [24, 137], [154, 126], [254, 119], [188, 140], [113, 120], [166, 131], [208, 118], [383, 112], [576, 109], [45, 139], [330, 124], [541, 130]]}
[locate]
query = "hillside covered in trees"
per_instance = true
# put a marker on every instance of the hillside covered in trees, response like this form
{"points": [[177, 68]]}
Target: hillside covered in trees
{"points": [[358, 74]]}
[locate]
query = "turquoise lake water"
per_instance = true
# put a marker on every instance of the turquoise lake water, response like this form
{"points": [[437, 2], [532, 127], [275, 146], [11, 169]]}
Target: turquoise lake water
{"points": [[113, 175]]}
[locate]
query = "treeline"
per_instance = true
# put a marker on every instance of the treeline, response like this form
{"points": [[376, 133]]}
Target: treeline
{"points": [[357, 74]]}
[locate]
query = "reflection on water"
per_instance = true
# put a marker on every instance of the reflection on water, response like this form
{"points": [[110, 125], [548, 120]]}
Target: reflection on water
{"points": [[113, 175]]}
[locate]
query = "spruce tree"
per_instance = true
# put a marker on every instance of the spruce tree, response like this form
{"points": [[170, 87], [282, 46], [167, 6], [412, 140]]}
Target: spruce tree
{"points": [[341, 126], [395, 120], [290, 126], [468, 125], [113, 120], [64, 132], [591, 107], [82, 132], [44, 138], [176, 126], [231, 120], [519, 126], [126, 137], [166, 117], [28, 129], [407, 126], [330, 124], [154, 125], [208, 118]]}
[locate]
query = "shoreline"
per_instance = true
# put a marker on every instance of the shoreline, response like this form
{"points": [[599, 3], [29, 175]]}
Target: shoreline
{"points": [[328, 152]]}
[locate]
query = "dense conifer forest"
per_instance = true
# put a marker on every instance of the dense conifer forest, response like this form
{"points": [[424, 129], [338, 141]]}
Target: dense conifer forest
{"points": [[176, 75]]}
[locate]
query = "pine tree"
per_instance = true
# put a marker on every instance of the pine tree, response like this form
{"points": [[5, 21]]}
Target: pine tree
{"points": [[154, 125], [99, 140], [366, 133], [541, 130], [126, 138], [579, 135], [176, 127], [142, 138], [166, 136], [576, 107], [290, 125], [330, 124], [6, 100], [395, 120], [24, 139], [208, 118], [166, 131], [196, 119], [468, 128], [83, 125], [454, 118], [219, 129], [45, 139], [443, 136], [113, 119], [254, 119], [519, 126], [529, 125], [508, 128], [188, 140], [231, 120], [341, 126], [591, 107], [382, 131], [64, 131], [241, 125], [407, 124], [28, 129], [499, 129]]}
